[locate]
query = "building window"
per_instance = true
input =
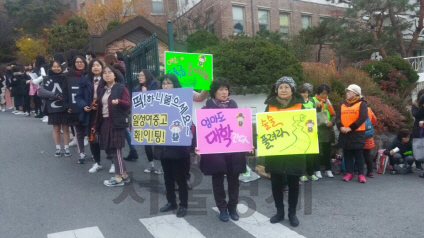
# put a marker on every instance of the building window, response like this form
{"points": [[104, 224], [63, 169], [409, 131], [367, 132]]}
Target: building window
{"points": [[210, 21], [157, 6], [306, 21], [238, 19], [263, 19], [127, 7], [185, 32], [322, 19], [285, 24]]}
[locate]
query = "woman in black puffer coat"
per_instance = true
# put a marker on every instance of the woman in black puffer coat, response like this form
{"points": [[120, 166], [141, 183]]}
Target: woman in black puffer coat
{"points": [[219, 165]]}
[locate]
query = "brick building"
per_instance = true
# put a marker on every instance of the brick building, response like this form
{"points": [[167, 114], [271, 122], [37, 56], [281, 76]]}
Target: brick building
{"points": [[226, 17]]}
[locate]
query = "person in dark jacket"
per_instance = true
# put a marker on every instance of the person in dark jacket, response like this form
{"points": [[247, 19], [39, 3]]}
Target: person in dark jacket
{"points": [[223, 164], [417, 110], [400, 150], [285, 168], [18, 82], [147, 82], [59, 120], [88, 92], [90, 55], [76, 72], [326, 134], [114, 105], [351, 123], [173, 159]]}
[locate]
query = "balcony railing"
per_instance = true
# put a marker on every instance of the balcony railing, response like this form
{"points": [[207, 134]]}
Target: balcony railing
{"points": [[417, 63]]}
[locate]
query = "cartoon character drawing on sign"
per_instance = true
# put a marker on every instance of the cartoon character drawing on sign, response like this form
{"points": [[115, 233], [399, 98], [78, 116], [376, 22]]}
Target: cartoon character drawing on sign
{"points": [[240, 118], [310, 124], [176, 128], [202, 60]]}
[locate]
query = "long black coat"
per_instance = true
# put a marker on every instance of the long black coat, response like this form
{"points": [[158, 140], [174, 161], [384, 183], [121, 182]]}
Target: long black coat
{"points": [[354, 139], [285, 164], [17, 84], [223, 163]]}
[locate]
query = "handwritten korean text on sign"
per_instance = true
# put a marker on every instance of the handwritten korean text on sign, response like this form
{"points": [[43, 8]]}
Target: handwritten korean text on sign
{"points": [[287, 132], [162, 117], [224, 130], [192, 70]]}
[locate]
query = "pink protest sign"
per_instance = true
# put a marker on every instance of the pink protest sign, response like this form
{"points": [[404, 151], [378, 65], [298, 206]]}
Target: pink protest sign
{"points": [[224, 130]]}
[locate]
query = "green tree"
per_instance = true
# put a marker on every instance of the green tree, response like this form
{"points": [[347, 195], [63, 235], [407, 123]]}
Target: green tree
{"points": [[201, 39], [73, 35], [380, 25], [33, 15], [113, 24], [252, 65]]}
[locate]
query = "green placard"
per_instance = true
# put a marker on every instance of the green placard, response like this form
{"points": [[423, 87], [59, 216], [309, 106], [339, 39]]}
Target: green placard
{"points": [[193, 70]]}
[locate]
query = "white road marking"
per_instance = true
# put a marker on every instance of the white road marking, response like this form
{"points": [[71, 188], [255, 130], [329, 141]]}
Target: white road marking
{"points": [[170, 226], [258, 225], [89, 232]]}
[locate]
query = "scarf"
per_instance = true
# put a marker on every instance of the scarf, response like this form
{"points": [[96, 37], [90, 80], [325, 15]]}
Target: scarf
{"points": [[283, 102], [78, 73], [221, 104], [353, 100], [326, 101]]}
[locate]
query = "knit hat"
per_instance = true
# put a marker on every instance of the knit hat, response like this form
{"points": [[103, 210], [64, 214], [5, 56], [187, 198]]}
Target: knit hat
{"points": [[287, 80], [354, 88]]}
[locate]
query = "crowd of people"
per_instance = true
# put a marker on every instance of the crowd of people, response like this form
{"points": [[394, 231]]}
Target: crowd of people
{"points": [[102, 122]]}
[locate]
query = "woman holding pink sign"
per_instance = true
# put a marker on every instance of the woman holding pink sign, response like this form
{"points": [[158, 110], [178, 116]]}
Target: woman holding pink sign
{"points": [[219, 165], [283, 97]]}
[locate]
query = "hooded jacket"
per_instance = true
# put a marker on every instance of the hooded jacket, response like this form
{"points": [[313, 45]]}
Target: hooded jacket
{"points": [[404, 149], [285, 164]]}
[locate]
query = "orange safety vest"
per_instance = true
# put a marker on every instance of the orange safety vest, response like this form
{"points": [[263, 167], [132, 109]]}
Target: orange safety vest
{"points": [[350, 114], [297, 106]]}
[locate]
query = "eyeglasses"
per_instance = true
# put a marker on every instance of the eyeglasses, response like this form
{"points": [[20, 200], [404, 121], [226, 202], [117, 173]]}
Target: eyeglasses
{"points": [[79, 62]]}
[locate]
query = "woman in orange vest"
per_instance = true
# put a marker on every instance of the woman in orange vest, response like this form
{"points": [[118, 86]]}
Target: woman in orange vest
{"points": [[351, 123], [283, 97]]}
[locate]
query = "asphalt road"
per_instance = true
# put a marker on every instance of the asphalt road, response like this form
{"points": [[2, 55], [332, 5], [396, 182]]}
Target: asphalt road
{"points": [[43, 195]]}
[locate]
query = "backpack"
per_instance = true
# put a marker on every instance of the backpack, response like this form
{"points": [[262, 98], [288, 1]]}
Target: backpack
{"points": [[369, 129]]}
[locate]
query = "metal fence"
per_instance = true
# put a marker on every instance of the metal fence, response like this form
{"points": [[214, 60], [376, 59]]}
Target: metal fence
{"points": [[144, 55]]}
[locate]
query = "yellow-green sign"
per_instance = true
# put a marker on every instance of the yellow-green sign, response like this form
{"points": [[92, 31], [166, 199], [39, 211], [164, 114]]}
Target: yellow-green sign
{"points": [[192, 70], [287, 132]]}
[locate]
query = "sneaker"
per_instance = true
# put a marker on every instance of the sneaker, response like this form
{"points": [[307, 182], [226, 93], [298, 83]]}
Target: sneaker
{"points": [[39, 116], [158, 171], [45, 119], [81, 160], [150, 169], [3, 110], [303, 179], [112, 169], [318, 174], [73, 142], [113, 183], [314, 178], [347, 177], [86, 141], [19, 113], [393, 172], [371, 175], [96, 167], [58, 153], [67, 152], [15, 111], [126, 180], [27, 114], [361, 178], [329, 174]]}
